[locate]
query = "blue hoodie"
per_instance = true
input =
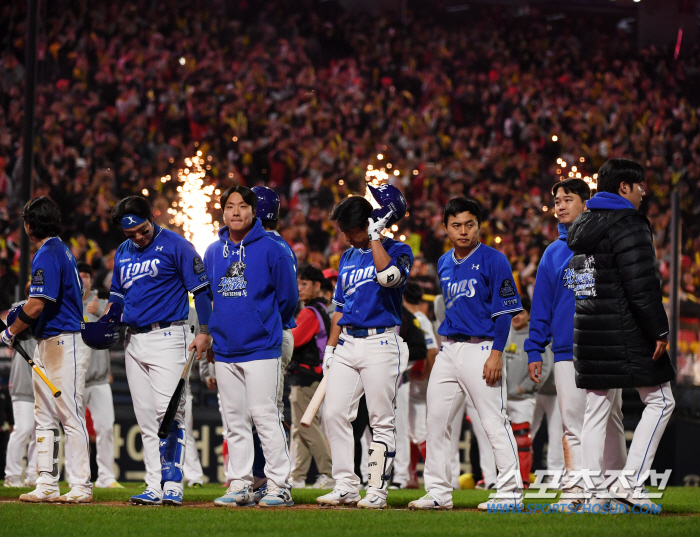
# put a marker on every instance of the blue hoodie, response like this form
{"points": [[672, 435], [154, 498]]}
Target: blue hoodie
{"points": [[255, 287], [553, 304], [609, 201]]}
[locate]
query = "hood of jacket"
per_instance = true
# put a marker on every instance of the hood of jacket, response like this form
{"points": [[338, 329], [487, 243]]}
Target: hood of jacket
{"points": [[256, 233], [563, 232], [604, 210]]}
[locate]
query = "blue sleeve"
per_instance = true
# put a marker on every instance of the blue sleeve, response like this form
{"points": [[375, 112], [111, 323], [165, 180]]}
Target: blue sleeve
{"points": [[504, 294], [190, 266], [202, 303], [46, 276], [116, 291], [540, 315], [502, 330], [286, 291], [402, 257]]}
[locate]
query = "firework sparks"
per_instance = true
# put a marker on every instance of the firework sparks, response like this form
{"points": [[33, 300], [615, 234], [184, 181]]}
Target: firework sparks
{"points": [[376, 177], [192, 212]]}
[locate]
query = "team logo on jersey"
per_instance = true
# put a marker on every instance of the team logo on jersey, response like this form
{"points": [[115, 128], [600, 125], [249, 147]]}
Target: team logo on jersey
{"points": [[38, 277], [197, 266], [581, 281], [507, 290], [135, 271], [404, 262], [463, 288], [233, 284], [355, 278]]}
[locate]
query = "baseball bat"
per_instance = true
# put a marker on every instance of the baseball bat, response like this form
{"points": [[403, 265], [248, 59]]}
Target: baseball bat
{"points": [[56, 392], [314, 404], [174, 403]]}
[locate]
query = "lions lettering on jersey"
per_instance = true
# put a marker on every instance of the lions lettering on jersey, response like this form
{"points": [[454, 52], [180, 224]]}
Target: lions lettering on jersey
{"points": [[356, 278], [233, 283], [131, 272], [452, 292]]}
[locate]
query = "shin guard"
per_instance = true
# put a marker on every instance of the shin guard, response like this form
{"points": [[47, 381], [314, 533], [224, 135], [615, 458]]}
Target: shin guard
{"points": [[47, 444], [379, 465], [172, 454], [523, 439]]}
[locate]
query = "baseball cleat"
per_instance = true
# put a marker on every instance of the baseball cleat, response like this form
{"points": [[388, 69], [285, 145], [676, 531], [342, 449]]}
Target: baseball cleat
{"points": [[115, 485], [13, 481], [640, 498], [300, 484], [149, 496], [338, 497], [236, 497], [372, 501], [40, 494], [595, 505], [172, 497], [30, 481], [323, 482], [276, 497], [260, 493], [429, 502], [195, 485], [73, 496], [501, 505]]}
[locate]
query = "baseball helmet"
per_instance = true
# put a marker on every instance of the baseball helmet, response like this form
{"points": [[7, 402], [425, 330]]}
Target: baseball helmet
{"points": [[389, 198], [268, 206], [104, 333], [25, 334]]}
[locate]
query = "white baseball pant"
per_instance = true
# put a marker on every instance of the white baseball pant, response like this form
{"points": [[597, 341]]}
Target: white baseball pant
{"points": [[457, 373], [249, 390], [572, 406], [287, 351], [455, 468], [522, 410], [99, 400], [154, 364], [192, 468], [417, 411], [547, 405], [22, 442], [373, 366], [659, 403], [487, 462], [403, 440], [64, 359]]}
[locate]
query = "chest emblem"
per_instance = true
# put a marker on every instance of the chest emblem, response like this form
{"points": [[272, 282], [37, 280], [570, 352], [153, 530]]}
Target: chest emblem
{"points": [[233, 283]]}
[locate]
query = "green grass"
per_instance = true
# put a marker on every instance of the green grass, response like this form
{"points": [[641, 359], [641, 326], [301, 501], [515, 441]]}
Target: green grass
{"points": [[122, 520]]}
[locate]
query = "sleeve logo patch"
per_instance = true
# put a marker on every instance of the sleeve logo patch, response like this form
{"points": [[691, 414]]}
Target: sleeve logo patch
{"points": [[38, 277], [197, 265], [507, 290], [510, 302], [404, 262]]}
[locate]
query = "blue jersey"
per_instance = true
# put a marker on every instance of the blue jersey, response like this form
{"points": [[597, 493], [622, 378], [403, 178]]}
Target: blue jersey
{"points": [[286, 323], [152, 282], [55, 278], [477, 289], [363, 302]]}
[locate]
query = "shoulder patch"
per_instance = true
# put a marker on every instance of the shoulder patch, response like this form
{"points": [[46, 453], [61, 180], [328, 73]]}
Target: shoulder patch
{"points": [[404, 262], [197, 265], [507, 290], [38, 277]]}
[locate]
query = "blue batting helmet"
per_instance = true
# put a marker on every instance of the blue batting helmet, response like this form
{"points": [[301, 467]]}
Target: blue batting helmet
{"points": [[103, 334], [25, 334], [268, 203], [389, 198]]}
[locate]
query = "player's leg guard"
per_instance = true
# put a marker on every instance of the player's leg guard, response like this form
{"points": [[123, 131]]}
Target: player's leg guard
{"points": [[172, 454], [379, 465], [47, 444], [523, 439]]}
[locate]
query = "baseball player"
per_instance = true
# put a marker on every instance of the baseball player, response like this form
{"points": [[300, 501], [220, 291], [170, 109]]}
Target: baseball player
{"points": [[552, 320], [364, 352], [54, 311], [547, 405], [154, 269], [419, 374], [23, 437], [522, 391], [256, 291], [477, 284], [98, 392]]}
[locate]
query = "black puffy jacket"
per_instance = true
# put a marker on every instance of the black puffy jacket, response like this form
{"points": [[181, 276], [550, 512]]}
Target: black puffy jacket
{"points": [[619, 313]]}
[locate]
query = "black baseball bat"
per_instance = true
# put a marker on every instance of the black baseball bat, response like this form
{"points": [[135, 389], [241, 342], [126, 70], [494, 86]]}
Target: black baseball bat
{"points": [[174, 403], [56, 392]]}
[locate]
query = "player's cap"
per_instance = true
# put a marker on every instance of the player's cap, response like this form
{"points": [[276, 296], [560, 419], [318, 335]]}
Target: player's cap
{"points": [[268, 207], [100, 335], [330, 273], [25, 334], [389, 198]]}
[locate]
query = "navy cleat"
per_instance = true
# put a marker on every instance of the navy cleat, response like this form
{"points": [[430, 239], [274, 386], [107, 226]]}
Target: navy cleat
{"points": [[260, 493]]}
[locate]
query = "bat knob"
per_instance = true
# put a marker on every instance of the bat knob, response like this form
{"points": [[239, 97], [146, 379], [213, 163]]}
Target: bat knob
{"points": [[57, 394]]}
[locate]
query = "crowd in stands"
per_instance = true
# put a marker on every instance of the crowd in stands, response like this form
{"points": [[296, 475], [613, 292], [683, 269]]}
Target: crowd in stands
{"points": [[304, 98]]}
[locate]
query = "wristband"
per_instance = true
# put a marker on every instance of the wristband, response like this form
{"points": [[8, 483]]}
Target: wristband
{"points": [[26, 319]]}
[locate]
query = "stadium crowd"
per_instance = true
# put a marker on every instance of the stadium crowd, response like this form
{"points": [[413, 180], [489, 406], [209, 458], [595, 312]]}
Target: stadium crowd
{"points": [[303, 99]]}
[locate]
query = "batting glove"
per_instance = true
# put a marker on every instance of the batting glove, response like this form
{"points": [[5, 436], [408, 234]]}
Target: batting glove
{"points": [[327, 358], [375, 227], [8, 338]]}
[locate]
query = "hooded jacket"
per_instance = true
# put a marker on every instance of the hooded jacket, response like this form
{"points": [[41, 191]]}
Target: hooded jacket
{"points": [[619, 313], [255, 287]]}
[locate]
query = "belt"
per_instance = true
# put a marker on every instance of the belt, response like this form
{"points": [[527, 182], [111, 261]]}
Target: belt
{"points": [[153, 326], [461, 338], [362, 332]]}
